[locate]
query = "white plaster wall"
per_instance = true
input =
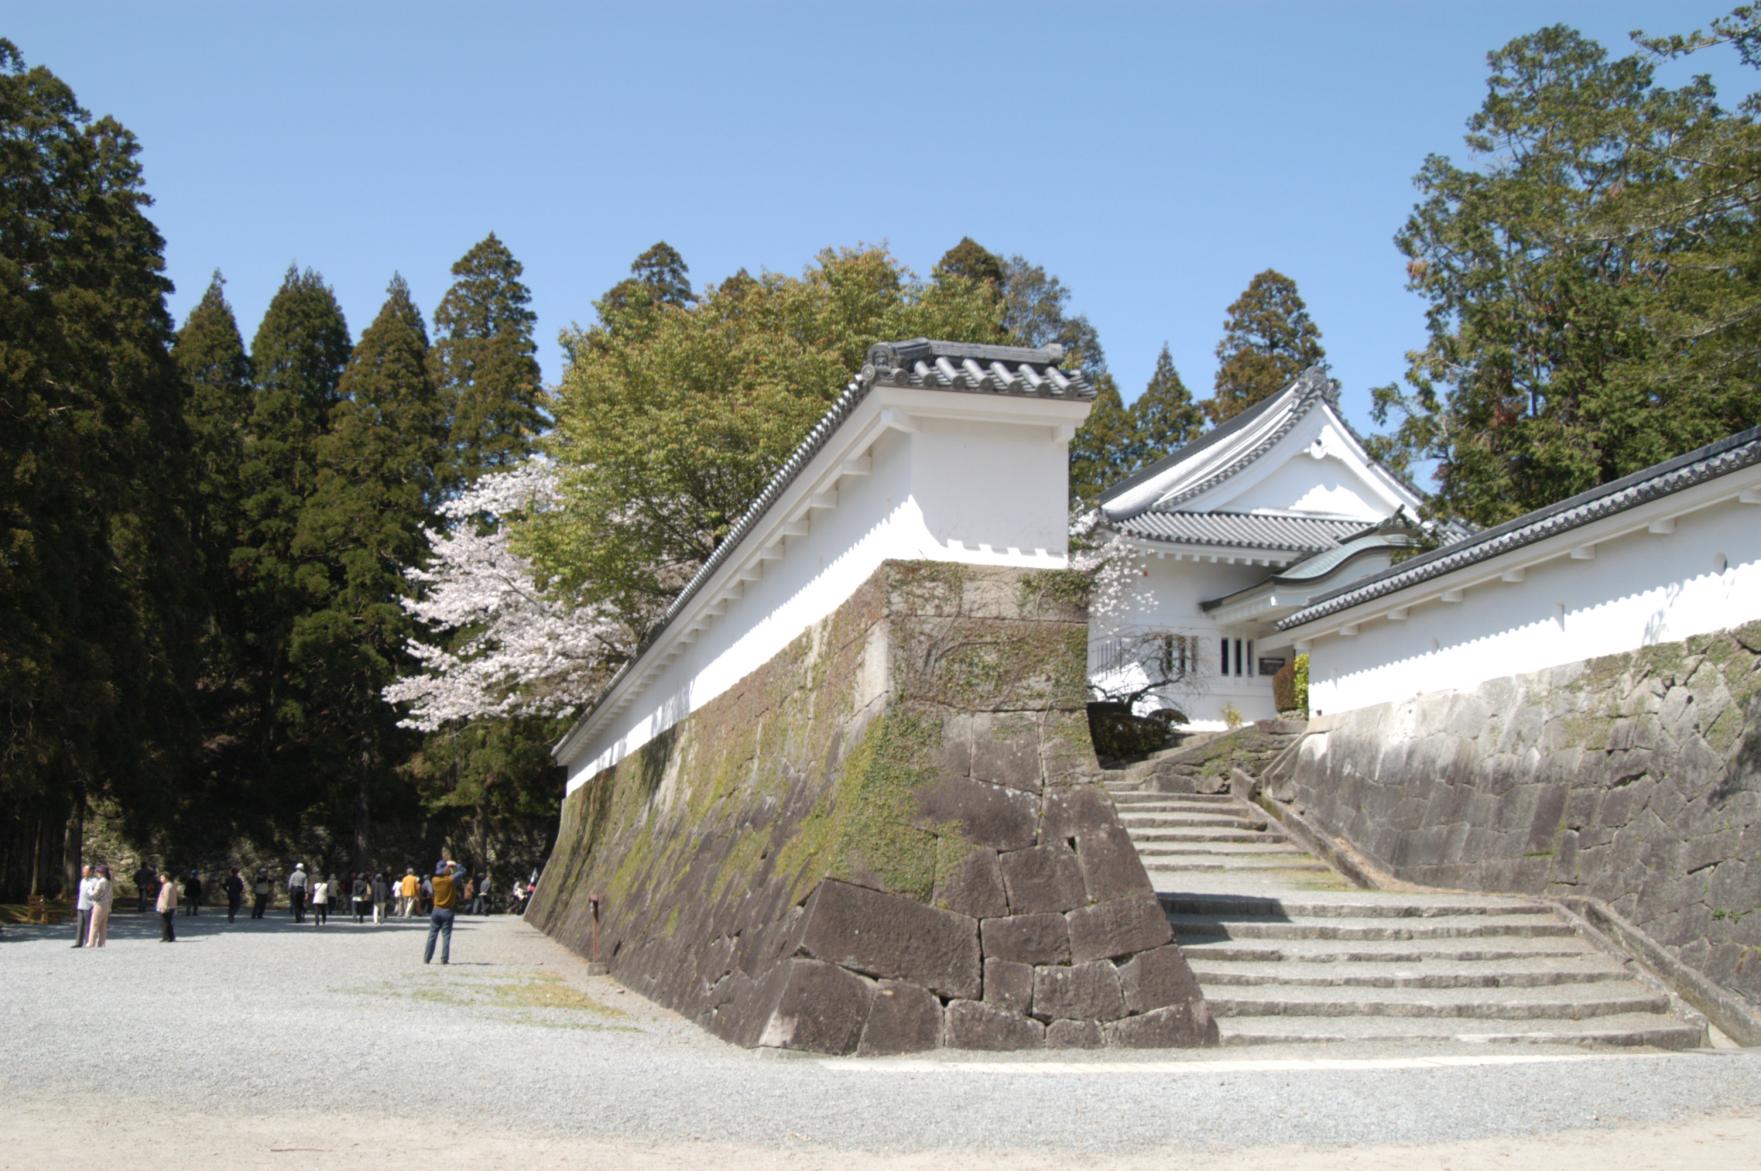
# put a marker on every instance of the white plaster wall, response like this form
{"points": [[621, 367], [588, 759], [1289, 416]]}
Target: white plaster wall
{"points": [[951, 490], [1167, 599], [1318, 469], [1641, 589]]}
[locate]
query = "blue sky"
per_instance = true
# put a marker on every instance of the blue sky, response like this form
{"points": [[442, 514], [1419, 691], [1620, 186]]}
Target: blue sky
{"points": [[1154, 156]]}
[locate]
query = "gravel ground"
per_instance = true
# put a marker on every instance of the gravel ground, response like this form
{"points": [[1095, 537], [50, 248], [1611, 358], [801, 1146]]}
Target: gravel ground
{"points": [[237, 1030]]}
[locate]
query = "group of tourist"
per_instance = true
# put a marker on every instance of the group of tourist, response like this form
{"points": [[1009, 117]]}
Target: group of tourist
{"points": [[440, 896]]}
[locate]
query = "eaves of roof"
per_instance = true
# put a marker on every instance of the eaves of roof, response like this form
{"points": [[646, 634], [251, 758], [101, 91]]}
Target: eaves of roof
{"points": [[1242, 530], [1685, 471]]}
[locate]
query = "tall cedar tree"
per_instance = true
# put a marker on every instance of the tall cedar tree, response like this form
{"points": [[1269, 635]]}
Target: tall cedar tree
{"points": [[659, 276], [484, 364], [495, 774], [1268, 339], [1103, 447], [363, 525], [970, 260], [297, 358], [1164, 418], [210, 356], [1594, 287], [671, 419], [98, 588]]}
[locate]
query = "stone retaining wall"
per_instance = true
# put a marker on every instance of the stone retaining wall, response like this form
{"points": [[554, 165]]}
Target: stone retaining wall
{"points": [[890, 837], [1635, 779]]}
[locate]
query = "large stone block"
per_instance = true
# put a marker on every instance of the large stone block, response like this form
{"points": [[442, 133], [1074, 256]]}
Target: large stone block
{"points": [[1074, 810], [1008, 985], [1175, 1027], [975, 1025], [821, 1009], [1157, 979], [1027, 939], [1075, 1035], [1043, 879], [986, 815], [972, 885], [902, 1018], [1005, 750], [895, 938], [1111, 867], [1083, 992], [1122, 927]]}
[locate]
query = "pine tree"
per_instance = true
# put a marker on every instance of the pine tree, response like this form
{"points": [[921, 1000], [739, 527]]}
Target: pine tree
{"points": [[376, 489], [297, 358], [211, 357], [1102, 448], [1164, 418], [484, 363], [1268, 339], [659, 277]]}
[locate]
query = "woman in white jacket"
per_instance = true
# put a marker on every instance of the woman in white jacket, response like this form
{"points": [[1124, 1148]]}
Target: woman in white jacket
{"points": [[103, 894]]}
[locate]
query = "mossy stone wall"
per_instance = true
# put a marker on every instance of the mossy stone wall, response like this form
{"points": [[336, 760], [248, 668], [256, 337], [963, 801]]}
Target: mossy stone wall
{"points": [[889, 837]]}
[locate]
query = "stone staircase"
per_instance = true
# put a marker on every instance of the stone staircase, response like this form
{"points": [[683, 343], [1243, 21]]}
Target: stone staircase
{"points": [[1287, 950]]}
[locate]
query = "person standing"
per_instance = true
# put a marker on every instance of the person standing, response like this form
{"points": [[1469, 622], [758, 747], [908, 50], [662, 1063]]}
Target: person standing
{"points": [[102, 895], [296, 891], [143, 888], [259, 894], [192, 893], [82, 905], [167, 908], [447, 878], [363, 896], [235, 893], [480, 903], [320, 901], [381, 898], [408, 888]]}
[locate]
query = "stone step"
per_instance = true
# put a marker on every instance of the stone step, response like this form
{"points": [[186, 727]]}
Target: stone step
{"points": [[1253, 849], [1136, 823], [1171, 866], [1642, 1029], [1366, 928], [1367, 905], [1527, 972], [1515, 949], [1149, 797], [1568, 1003], [1208, 834]]}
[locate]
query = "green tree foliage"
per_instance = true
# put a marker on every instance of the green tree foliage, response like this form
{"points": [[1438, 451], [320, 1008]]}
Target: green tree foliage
{"points": [[972, 261], [1104, 448], [99, 598], [297, 358], [497, 779], [375, 491], [671, 419], [1591, 279], [1035, 314], [485, 365], [1268, 339], [658, 277], [1164, 418]]}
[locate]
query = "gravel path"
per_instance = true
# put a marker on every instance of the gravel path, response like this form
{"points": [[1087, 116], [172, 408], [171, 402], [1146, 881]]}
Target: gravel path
{"points": [[235, 1025]]}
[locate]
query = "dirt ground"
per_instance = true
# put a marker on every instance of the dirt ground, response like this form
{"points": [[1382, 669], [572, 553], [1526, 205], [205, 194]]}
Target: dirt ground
{"points": [[36, 1134]]}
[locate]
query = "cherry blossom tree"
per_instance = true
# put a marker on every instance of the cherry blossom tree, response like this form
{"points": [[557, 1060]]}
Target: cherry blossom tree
{"points": [[501, 644]]}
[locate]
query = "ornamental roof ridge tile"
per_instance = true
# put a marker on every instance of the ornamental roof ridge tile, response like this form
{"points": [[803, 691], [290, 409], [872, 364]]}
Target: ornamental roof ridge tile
{"points": [[1034, 374], [1727, 455], [1284, 532]]}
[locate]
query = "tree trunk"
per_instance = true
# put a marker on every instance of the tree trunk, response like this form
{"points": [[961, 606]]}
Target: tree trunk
{"points": [[73, 840], [363, 814]]}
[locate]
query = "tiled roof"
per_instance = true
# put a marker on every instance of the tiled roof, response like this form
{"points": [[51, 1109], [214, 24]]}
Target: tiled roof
{"points": [[964, 366], [1310, 387], [1326, 561], [1245, 530], [1696, 467]]}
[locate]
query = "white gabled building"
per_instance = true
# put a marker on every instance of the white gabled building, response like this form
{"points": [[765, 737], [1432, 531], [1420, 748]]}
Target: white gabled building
{"points": [[1236, 530]]}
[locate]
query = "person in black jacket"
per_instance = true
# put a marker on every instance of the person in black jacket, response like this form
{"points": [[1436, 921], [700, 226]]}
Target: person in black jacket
{"points": [[260, 893], [235, 894], [192, 893]]}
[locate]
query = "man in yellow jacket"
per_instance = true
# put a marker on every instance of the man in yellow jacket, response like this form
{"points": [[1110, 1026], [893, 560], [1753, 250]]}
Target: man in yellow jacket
{"points": [[448, 878]]}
